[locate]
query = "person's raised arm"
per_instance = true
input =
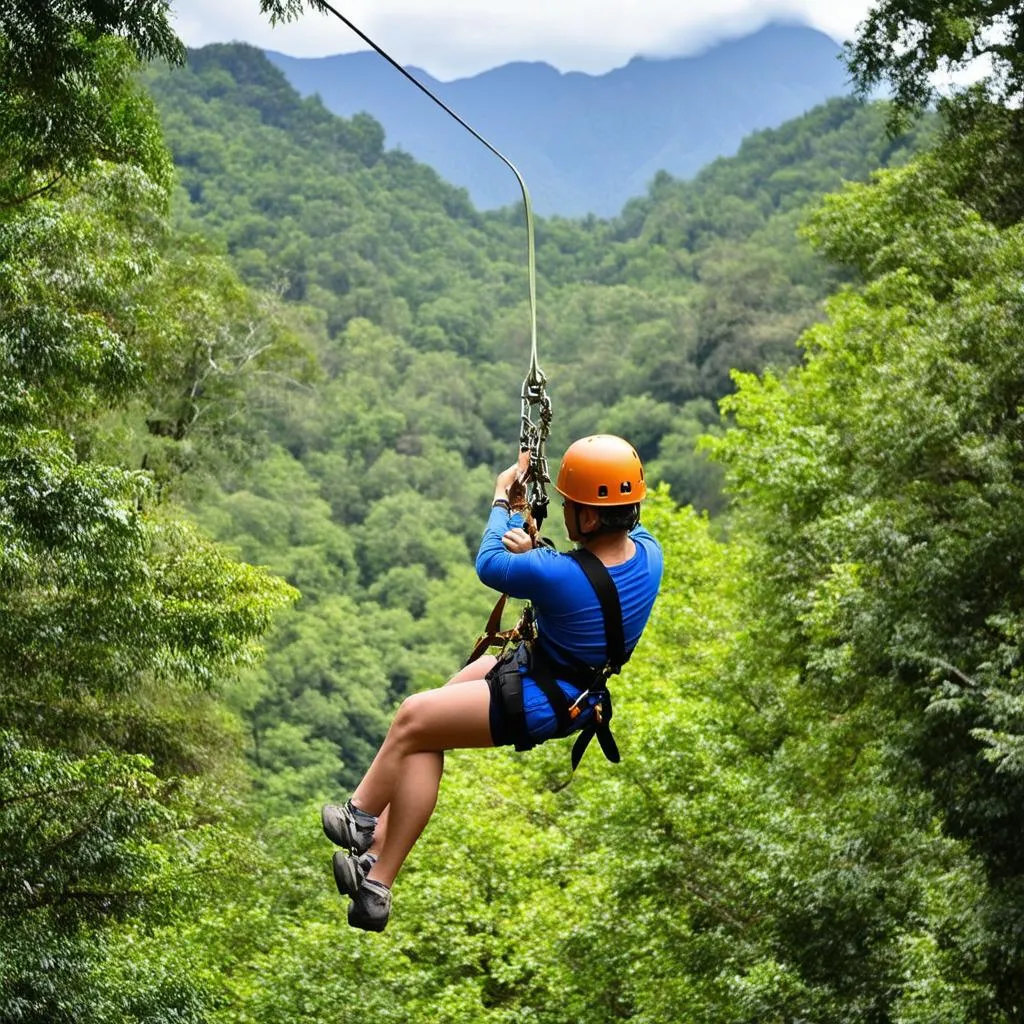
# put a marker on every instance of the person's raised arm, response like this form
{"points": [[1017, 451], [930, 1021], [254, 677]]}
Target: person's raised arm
{"points": [[504, 536]]}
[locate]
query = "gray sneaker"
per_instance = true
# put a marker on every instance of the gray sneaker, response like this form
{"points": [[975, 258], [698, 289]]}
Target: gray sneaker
{"points": [[343, 828], [370, 907], [349, 871]]}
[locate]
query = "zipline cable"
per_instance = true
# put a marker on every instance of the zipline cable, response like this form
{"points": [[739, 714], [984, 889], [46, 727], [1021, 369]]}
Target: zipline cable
{"points": [[536, 376], [532, 436]]}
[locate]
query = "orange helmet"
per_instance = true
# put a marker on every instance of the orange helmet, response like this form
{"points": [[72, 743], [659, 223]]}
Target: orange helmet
{"points": [[601, 470]]}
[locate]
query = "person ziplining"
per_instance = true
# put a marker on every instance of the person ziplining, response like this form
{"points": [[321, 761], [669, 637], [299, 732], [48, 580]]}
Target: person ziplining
{"points": [[552, 685], [587, 611]]}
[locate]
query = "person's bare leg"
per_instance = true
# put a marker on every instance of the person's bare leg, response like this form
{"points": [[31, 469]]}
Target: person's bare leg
{"points": [[411, 806], [473, 672], [435, 720], [405, 782]]}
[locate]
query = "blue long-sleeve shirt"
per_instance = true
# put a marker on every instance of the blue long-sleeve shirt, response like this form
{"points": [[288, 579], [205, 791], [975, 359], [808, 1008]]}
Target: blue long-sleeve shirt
{"points": [[567, 608]]}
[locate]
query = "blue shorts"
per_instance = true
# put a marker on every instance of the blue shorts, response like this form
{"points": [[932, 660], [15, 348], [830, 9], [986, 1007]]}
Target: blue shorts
{"points": [[520, 713]]}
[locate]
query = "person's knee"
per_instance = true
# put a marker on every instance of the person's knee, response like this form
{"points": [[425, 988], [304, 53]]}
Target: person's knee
{"points": [[408, 727]]}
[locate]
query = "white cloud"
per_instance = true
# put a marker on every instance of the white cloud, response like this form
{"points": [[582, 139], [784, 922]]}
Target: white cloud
{"points": [[455, 38]]}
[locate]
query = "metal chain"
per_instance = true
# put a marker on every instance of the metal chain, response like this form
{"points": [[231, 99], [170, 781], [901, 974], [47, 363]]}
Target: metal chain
{"points": [[533, 437]]}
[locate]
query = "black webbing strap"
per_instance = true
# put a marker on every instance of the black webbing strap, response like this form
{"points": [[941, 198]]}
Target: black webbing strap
{"points": [[615, 643], [608, 594], [543, 670]]}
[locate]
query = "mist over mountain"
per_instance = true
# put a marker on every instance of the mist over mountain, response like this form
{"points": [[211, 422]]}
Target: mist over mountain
{"points": [[585, 143]]}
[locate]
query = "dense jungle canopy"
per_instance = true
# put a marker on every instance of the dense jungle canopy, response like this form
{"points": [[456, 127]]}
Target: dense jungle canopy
{"points": [[257, 371]]}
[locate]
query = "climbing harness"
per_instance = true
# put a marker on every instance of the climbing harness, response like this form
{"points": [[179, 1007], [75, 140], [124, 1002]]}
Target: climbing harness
{"points": [[494, 636], [532, 657]]}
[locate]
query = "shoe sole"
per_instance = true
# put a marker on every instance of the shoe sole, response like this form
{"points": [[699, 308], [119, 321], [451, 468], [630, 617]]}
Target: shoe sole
{"points": [[332, 829], [357, 919], [346, 875]]}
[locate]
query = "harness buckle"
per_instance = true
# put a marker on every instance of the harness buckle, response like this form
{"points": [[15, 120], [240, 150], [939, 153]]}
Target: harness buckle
{"points": [[574, 707]]}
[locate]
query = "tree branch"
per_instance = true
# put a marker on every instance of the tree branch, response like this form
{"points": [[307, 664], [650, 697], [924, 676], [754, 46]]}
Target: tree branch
{"points": [[35, 193]]}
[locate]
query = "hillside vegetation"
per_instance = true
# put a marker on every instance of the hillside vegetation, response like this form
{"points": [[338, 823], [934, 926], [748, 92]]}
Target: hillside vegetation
{"points": [[372, 493], [255, 387]]}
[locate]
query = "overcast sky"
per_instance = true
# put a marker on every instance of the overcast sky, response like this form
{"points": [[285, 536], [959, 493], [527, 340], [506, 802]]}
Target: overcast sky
{"points": [[456, 38]]}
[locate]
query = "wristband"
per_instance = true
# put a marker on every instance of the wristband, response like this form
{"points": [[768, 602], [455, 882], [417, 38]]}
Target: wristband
{"points": [[501, 503]]}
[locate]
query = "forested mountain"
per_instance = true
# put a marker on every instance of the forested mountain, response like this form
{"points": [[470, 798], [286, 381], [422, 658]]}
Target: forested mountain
{"points": [[355, 229], [423, 346], [585, 143], [283, 344]]}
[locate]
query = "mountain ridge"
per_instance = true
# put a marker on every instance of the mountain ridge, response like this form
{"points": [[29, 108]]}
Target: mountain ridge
{"points": [[585, 143]]}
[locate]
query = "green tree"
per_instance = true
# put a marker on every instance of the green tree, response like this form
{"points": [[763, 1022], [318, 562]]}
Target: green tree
{"points": [[68, 92], [881, 484], [220, 359], [118, 621], [904, 45]]}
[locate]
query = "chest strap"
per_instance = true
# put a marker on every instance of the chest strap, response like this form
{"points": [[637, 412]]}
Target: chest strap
{"points": [[593, 681], [608, 595]]}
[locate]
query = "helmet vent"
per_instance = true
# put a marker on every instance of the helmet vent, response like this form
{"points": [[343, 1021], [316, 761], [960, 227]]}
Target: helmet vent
{"points": [[625, 487], [602, 491]]}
